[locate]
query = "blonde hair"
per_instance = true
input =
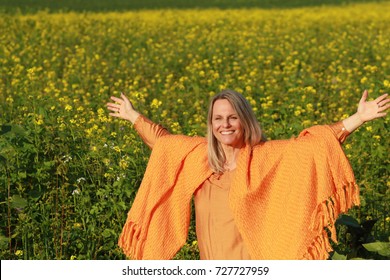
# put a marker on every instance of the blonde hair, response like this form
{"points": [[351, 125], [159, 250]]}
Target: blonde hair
{"points": [[252, 131]]}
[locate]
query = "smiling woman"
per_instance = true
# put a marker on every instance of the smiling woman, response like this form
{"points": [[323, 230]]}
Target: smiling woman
{"points": [[231, 124], [243, 186], [227, 130]]}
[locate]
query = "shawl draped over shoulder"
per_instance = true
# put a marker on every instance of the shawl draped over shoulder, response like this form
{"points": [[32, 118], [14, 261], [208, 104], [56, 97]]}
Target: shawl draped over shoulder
{"points": [[285, 196]]}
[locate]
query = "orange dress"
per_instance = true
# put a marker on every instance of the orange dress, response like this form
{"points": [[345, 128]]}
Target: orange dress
{"points": [[217, 234]]}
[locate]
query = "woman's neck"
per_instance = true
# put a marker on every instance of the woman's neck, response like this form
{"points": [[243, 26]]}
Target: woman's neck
{"points": [[231, 155]]}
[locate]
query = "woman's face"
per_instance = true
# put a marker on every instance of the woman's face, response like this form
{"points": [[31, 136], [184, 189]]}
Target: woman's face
{"points": [[226, 124]]}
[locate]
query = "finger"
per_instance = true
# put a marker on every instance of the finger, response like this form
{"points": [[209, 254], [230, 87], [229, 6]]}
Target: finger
{"points": [[116, 99], [380, 98], [114, 105], [380, 115], [383, 102], [113, 108], [124, 97], [127, 100], [383, 108], [364, 96], [114, 115]]}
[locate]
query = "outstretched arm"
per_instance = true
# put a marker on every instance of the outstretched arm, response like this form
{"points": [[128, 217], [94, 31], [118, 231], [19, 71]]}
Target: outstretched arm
{"points": [[367, 111], [123, 109]]}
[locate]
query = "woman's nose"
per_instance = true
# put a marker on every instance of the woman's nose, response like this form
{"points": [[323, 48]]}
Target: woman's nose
{"points": [[226, 123]]}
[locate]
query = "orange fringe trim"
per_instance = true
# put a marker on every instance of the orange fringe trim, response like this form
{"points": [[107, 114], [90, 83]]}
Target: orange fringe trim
{"points": [[130, 241], [324, 217]]}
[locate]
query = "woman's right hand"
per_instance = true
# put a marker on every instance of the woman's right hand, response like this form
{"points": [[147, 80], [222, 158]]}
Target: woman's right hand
{"points": [[122, 108]]}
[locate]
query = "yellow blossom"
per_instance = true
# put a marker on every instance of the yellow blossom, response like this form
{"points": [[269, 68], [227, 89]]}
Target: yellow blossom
{"points": [[155, 103], [77, 225], [306, 123], [19, 253], [123, 164], [9, 99], [175, 127], [38, 120]]}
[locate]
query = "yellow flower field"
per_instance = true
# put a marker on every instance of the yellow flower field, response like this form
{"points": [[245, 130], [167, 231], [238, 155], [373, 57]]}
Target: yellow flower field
{"points": [[69, 172]]}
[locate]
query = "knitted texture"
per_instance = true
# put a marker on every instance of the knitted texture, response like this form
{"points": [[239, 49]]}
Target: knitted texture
{"points": [[284, 195]]}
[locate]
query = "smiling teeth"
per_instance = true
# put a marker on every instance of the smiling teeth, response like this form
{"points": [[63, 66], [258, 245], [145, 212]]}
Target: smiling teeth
{"points": [[226, 132]]}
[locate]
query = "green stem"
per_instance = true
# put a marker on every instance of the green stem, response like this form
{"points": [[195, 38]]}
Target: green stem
{"points": [[9, 209]]}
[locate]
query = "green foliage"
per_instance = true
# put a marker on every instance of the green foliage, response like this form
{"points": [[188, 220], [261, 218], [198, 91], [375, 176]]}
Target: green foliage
{"points": [[60, 204], [382, 248], [358, 241]]}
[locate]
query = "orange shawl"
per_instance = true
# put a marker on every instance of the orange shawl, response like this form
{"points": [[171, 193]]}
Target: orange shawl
{"points": [[284, 196]]}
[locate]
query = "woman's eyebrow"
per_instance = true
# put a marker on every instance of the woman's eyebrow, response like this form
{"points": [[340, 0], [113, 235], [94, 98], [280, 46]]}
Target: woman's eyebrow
{"points": [[227, 116]]}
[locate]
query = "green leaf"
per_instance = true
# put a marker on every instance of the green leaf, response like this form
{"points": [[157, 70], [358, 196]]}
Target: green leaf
{"points": [[107, 233], [22, 175], [4, 241], [382, 248], [49, 164], [348, 221], [337, 256], [16, 129], [18, 202]]}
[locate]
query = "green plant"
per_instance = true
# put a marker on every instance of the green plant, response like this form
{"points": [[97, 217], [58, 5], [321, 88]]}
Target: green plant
{"points": [[358, 241]]}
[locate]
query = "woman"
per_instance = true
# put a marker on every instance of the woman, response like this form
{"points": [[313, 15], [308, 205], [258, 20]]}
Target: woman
{"points": [[254, 199]]}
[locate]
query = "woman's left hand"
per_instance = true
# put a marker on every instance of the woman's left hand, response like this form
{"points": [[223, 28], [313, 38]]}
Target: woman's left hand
{"points": [[369, 110]]}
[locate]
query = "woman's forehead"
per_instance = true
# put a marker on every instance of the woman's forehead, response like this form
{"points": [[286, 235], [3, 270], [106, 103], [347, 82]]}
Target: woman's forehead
{"points": [[223, 106]]}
